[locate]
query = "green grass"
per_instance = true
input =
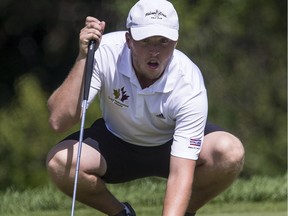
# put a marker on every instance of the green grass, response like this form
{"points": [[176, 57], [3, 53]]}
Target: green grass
{"points": [[257, 196], [235, 209]]}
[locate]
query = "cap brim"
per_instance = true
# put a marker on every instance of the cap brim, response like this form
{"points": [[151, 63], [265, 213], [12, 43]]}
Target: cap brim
{"points": [[140, 33]]}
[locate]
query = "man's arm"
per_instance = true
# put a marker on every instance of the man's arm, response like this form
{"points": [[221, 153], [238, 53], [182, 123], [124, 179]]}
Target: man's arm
{"points": [[65, 103], [179, 186]]}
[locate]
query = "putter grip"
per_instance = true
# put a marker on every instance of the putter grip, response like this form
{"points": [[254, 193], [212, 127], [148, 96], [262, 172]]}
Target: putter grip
{"points": [[89, 68]]}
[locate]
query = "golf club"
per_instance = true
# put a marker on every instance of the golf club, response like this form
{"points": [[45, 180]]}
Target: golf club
{"points": [[87, 82]]}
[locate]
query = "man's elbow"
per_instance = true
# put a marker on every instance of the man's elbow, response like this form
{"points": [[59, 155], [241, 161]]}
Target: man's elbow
{"points": [[56, 125], [62, 121], [61, 125]]}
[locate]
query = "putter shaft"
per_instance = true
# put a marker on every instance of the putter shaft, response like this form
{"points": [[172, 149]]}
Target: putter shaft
{"points": [[84, 108]]}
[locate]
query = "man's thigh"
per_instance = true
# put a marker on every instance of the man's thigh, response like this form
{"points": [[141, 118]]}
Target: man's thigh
{"points": [[65, 155], [124, 161]]}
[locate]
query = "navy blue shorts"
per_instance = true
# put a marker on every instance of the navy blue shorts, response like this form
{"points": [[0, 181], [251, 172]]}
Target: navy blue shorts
{"points": [[126, 162]]}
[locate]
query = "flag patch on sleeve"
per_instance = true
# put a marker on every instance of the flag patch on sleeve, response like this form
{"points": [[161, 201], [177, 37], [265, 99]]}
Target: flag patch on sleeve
{"points": [[195, 143]]}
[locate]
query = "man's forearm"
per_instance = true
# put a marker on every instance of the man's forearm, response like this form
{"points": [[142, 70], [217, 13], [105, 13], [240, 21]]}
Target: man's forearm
{"points": [[177, 198], [65, 103], [179, 186]]}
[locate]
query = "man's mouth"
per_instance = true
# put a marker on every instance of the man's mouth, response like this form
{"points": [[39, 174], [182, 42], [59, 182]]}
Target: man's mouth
{"points": [[153, 64]]}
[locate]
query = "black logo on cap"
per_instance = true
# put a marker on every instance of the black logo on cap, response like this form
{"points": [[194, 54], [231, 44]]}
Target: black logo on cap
{"points": [[156, 15]]}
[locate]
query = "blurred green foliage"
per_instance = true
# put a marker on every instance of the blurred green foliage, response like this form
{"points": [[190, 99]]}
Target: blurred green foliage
{"points": [[239, 45], [26, 136], [24, 133]]}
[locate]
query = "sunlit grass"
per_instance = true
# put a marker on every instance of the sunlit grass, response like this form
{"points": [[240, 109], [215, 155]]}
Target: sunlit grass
{"points": [[260, 194]]}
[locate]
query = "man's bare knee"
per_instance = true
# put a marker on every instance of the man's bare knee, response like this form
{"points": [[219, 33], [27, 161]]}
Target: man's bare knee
{"points": [[59, 169], [229, 151]]}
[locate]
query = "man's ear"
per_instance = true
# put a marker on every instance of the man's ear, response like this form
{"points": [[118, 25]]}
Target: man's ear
{"points": [[128, 39]]}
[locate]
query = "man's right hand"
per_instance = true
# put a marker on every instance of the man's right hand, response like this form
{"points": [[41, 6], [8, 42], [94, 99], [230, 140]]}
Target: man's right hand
{"points": [[93, 30]]}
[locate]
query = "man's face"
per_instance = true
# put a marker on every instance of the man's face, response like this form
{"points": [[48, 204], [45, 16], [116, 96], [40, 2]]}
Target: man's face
{"points": [[150, 57]]}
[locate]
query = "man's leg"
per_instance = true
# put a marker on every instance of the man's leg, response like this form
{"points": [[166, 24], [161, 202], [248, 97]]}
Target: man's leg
{"points": [[91, 190], [219, 164]]}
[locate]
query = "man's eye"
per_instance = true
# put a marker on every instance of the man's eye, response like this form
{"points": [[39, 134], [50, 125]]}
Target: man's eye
{"points": [[144, 42], [165, 41]]}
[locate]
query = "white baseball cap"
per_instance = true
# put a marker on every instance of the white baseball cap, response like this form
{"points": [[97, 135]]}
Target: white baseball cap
{"points": [[149, 18]]}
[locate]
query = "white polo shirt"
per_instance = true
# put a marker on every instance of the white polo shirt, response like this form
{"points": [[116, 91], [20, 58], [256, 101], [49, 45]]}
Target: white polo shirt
{"points": [[174, 107]]}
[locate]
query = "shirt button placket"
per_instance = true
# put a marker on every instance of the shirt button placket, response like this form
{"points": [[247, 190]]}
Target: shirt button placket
{"points": [[139, 106]]}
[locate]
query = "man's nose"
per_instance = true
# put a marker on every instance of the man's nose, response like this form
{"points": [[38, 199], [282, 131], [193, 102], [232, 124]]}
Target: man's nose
{"points": [[154, 49]]}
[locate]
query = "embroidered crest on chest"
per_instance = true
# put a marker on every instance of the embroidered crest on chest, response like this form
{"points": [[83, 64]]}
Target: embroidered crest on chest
{"points": [[119, 97]]}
